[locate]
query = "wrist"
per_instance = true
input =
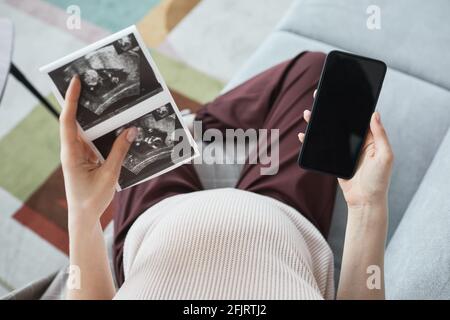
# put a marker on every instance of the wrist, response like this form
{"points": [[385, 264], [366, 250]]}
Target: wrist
{"points": [[369, 215], [368, 205], [80, 219]]}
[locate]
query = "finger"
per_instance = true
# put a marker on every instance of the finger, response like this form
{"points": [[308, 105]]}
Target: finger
{"points": [[369, 139], [118, 152], [380, 137], [68, 124], [301, 137], [90, 155], [307, 115]]}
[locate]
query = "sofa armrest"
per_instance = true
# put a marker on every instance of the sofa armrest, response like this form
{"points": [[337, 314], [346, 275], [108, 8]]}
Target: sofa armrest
{"points": [[418, 256]]}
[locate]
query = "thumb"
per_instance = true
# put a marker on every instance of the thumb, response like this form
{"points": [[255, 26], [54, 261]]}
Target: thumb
{"points": [[119, 150], [379, 134]]}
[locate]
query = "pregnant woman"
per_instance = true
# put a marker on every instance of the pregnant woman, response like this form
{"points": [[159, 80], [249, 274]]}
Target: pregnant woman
{"points": [[263, 239]]}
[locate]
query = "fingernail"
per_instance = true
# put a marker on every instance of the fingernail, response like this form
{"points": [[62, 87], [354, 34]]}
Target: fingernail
{"points": [[131, 134], [377, 116]]}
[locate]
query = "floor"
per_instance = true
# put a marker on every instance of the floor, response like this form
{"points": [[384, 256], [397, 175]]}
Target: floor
{"points": [[194, 44]]}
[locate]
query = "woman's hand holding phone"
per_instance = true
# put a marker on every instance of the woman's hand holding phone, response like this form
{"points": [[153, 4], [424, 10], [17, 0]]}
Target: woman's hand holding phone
{"points": [[369, 185], [366, 197]]}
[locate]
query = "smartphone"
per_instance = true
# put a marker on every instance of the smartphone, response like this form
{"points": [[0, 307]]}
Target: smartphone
{"points": [[346, 97]]}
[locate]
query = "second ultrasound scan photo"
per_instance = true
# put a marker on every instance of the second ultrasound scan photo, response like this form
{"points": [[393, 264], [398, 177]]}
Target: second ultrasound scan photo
{"points": [[154, 148]]}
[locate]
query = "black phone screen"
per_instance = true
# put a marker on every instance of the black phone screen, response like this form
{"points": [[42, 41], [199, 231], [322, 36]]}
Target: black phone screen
{"points": [[345, 100]]}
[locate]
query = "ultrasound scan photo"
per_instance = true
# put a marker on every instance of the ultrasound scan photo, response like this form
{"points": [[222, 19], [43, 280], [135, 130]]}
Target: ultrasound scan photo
{"points": [[113, 78], [152, 150]]}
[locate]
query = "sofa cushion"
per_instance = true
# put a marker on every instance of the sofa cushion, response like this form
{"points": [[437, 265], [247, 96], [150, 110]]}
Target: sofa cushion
{"points": [[217, 170], [414, 35], [277, 47], [418, 256]]}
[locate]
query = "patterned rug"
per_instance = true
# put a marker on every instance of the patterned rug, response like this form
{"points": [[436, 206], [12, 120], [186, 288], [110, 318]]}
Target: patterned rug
{"points": [[192, 50], [33, 219]]}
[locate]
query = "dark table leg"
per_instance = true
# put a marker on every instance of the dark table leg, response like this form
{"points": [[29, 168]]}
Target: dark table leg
{"points": [[19, 76]]}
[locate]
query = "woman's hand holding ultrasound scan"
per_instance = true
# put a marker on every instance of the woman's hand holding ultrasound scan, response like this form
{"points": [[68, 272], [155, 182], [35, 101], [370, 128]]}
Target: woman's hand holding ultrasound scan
{"points": [[90, 188], [89, 185]]}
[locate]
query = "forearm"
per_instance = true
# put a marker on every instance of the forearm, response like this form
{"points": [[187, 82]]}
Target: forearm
{"points": [[88, 254], [364, 253]]}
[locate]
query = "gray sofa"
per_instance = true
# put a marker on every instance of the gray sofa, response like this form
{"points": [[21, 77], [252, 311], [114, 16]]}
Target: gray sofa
{"points": [[414, 41]]}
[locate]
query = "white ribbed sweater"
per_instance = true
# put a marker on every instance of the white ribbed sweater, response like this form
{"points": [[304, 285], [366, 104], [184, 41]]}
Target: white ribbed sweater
{"points": [[225, 244]]}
